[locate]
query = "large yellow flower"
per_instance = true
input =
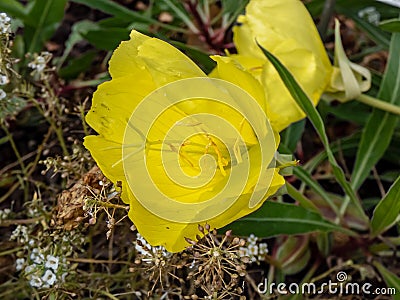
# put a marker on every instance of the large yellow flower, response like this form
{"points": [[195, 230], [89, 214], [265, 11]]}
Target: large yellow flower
{"points": [[188, 149], [285, 28]]}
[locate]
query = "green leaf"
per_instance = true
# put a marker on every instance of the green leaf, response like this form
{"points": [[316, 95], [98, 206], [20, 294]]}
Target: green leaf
{"points": [[379, 129], [392, 25], [387, 211], [291, 136], [391, 279], [106, 38], [75, 36], [306, 105], [278, 218], [77, 65], [42, 21], [13, 8], [299, 197], [306, 177]]}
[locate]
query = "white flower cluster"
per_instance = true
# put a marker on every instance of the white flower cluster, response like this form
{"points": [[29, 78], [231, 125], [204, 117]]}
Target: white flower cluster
{"points": [[44, 271], [4, 213], [40, 61], [20, 234], [370, 14], [255, 251], [5, 23], [149, 252]]}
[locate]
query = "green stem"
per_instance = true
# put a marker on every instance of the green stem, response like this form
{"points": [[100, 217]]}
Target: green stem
{"points": [[14, 147], [374, 102]]}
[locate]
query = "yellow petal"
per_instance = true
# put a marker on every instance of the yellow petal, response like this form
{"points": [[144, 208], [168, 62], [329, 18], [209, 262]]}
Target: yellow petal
{"points": [[296, 43], [115, 100], [171, 235], [228, 69], [141, 53]]}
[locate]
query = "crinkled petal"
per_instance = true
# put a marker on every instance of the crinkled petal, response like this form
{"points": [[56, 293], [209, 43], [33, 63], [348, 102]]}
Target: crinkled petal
{"points": [[141, 53], [296, 43], [114, 101], [171, 235]]}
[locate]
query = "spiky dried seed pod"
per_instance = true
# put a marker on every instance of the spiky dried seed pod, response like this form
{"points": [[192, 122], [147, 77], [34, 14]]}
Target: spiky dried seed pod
{"points": [[228, 233], [208, 227]]}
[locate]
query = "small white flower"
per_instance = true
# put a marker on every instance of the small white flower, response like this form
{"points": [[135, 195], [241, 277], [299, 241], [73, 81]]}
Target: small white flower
{"points": [[4, 213], [2, 94], [262, 248], [5, 26], [36, 281], [19, 263], [36, 256], [30, 269], [252, 239], [4, 79], [49, 278], [40, 62], [20, 232], [52, 262], [253, 249], [243, 252]]}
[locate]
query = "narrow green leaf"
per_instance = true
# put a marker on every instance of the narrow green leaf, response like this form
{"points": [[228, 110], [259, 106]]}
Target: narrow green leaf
{"points": [[348, 144], [115, 9], [306, 105], [78, 65], [13, 8], [392, 25], [44, 17], [182, 14], [291, 136], [77, 30], [387, 211], [378, 131], [305, 177], [106, 38], [278, 218], [299, 197], [391, 279]]}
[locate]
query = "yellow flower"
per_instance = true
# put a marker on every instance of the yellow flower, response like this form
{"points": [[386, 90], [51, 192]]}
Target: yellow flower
{"points": [[285, 28], [188, 149]]}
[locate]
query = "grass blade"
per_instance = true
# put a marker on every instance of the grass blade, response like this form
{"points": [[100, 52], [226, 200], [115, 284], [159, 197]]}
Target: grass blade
{"points": [[379, 129], [387, 211], [391, 279], [44, 17]]}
